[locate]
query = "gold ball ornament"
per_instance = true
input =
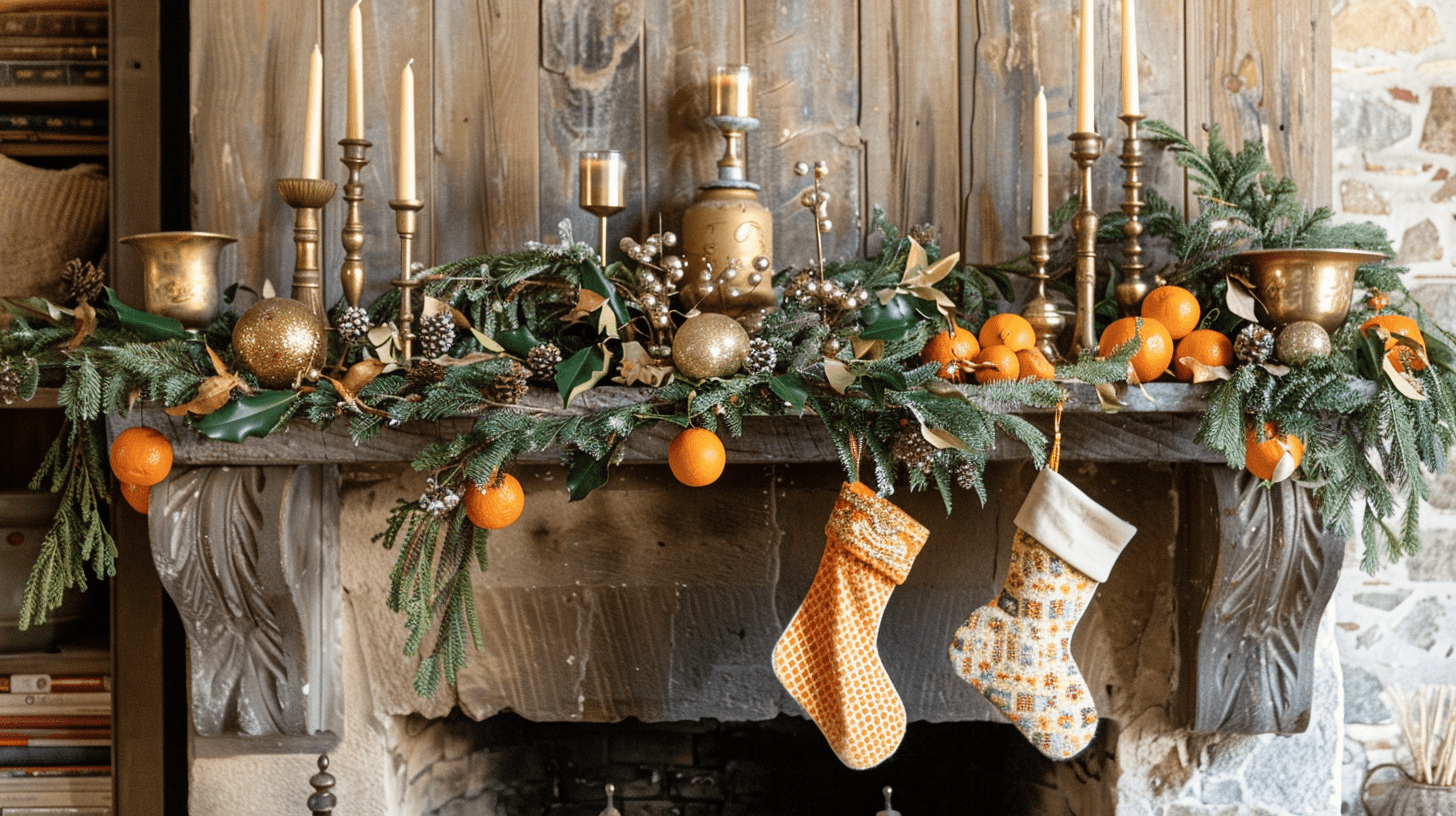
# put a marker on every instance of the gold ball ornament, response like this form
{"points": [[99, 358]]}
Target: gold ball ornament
{"points": [[709, 345], [1301, 341], [279, 340]]}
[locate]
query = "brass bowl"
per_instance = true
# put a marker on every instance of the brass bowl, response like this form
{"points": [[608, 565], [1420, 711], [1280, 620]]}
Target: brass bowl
{"points": [[1306, 283]]}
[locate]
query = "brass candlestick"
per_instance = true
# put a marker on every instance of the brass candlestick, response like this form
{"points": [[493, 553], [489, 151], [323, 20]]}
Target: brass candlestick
{"points": [[603, 191], [406, 218], [1039, 310], [1132, 288], [351, 273], [1086, 148], [307, 197]]}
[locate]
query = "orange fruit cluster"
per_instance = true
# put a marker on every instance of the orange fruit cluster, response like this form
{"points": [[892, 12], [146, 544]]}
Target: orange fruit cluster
{"points": [[1004, 351], [140, 457], [1262, 458], [955, 352], [696, 457], [495, 505]]}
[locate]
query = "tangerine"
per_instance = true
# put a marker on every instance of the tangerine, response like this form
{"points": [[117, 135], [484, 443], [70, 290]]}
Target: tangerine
{"points": [[1175, 307], [496, 505], [1006, 366], [1007, 329], [1032, 363], [696, 457], [139, 497], [141, 456], [1209, 347], [953, 352], [1263, 458], [1397, 324], [1154, 354]]}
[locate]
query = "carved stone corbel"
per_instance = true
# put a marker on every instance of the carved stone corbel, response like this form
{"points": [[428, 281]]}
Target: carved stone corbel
{"points": [[250, 557], [1255, 573]]}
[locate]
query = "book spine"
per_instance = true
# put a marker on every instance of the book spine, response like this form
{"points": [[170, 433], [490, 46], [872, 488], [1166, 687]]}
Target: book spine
{"points": [[53, 23], [49, 683], [55, 811], [27, 73], [74, 703], [55, 755], [55, 721], [37, 771], [54, 799], [97, 51]]}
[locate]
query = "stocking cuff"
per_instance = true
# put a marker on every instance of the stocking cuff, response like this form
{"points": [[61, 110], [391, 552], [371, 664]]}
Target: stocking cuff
{"points": [[875, 531], [1066, 521]]}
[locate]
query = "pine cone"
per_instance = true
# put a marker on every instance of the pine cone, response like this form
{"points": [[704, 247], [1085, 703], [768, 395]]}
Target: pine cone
{"points": [[423, 374], [1254, 344], [9, 384], [925, 234], [83, 280], [542, 361], [436, 335], [353, 324], [966, 475], [913, 450], [761, 357], [510, 386], [437, 497]]}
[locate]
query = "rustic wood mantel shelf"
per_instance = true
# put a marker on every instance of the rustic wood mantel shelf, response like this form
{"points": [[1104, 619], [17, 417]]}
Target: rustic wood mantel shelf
{"points": [[1254, 567], [1157, 426]]}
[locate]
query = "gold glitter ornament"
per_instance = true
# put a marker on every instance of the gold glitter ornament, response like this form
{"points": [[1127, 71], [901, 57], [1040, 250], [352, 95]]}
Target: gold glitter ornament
{"points": [[279, 340], [1301, 341], [709, 345]]}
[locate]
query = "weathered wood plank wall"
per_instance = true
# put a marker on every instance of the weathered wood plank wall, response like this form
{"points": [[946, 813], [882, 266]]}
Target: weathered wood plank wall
{"points": [[916, 105]]}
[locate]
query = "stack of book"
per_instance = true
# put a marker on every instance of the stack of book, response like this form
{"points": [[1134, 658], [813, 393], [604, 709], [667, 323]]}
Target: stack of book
{"points": [[53, 76], [55, 745]]}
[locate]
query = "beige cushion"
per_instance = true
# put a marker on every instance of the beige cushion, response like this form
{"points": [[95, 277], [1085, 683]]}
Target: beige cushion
{"points": [[47, 217]]}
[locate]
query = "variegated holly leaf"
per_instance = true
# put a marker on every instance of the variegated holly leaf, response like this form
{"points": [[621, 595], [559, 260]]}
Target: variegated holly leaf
{"points": [[582, 371], [384, 341], [215, 391]]}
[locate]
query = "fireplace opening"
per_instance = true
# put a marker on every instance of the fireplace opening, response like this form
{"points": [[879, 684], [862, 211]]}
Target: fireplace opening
{"points": [[510, 766]]}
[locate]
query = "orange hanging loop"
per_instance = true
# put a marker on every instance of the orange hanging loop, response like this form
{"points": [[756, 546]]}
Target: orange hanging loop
{"points": [[1055, 459]]}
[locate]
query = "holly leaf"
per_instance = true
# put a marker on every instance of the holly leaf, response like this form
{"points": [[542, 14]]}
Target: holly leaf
{"points": [[256, 415], [581, 371], [518, 341], [149, 327], [594, 279], [585, 474], [790, 388]]}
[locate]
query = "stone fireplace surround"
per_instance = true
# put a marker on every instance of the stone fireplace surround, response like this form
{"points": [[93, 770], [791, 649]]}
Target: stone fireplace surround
{"points": [[660, 603]]}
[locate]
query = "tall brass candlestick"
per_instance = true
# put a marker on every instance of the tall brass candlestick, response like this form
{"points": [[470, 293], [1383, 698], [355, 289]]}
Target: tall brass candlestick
{"points": [[307, 196], [406, 219], [1132, 288], [603, 188], [1086, 148], [351, 273], [1039, 310]]}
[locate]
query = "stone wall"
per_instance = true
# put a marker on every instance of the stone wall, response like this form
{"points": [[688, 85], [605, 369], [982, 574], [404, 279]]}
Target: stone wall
{"points": [[1395, 164]]}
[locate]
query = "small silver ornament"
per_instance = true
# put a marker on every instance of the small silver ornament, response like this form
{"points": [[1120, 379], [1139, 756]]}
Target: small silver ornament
{"points": [[1301, 341]]}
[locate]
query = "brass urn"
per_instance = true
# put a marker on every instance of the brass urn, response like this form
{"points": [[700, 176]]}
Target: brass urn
{"points": [[727, 234]]}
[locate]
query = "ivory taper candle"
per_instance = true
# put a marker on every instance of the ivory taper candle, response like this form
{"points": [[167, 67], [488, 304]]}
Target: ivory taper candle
{"points": [[1130, 105], [405, 180], [313, 123], [1086, 55], [354, 125], [1040, 222]]}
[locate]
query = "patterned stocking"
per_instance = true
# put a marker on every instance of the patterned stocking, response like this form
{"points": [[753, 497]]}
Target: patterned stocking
{"points": [[1016, 649], [827, 657]]}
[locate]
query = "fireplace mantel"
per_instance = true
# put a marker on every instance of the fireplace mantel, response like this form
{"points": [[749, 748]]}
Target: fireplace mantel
{"points": [[249, 532]]}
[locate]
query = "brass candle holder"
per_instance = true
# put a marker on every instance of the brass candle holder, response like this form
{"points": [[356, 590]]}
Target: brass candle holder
{"points": [[351, 273], [307, 196], [406, 221], [1133, 286], [1039, 310], [603, 188], [1086, 149]]}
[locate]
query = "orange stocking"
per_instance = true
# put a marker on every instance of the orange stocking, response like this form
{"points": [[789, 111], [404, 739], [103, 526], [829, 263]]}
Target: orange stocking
{"points": [[827, 658]]}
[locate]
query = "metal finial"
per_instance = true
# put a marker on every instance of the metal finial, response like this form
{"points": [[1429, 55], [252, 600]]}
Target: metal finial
{"points": [[611, 810], [888, 811], [322, 801]]}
